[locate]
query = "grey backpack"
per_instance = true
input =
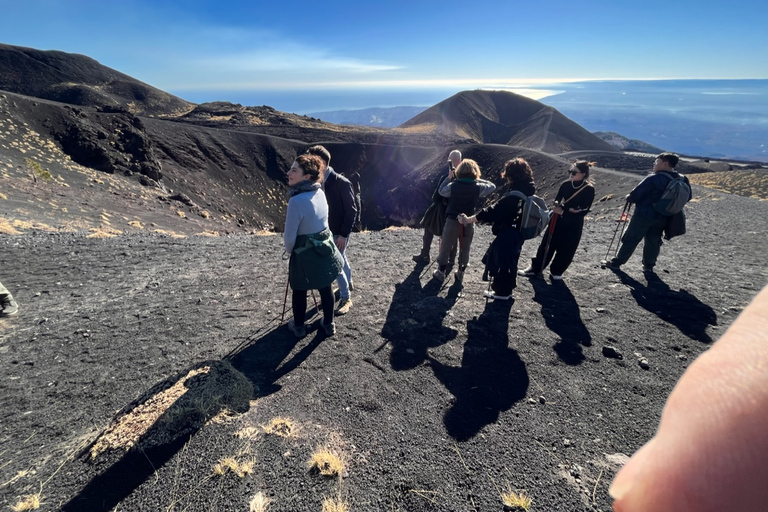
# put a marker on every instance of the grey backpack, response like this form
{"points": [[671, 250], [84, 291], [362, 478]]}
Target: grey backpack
{"points": [[675, 195], [535, 216]]}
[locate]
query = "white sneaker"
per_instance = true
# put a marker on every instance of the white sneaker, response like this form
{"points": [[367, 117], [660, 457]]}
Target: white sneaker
{"points": [[557, 278], [529, 272], [488, 294]]}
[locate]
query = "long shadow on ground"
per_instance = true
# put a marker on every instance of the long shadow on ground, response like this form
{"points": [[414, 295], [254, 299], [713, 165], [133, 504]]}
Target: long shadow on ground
{"points": [[200, 394], [680, 308], [491, 378], [414, 321], [562, 315], [175, 409]]}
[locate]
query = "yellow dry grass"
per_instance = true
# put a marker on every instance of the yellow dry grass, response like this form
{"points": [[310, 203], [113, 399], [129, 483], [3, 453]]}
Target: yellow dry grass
{"points": [[247, 433], [6, 228], [259, 503], [749, 183], [172, 234], [103, 232], [136, 224], [130, 427], [335, 505], [241, 468], [28, 502], [280, 426], [515, 501], [327, 462]]}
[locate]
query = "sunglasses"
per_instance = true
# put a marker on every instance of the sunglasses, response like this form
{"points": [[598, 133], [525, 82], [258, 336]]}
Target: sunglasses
{"points": [[574, 173]]}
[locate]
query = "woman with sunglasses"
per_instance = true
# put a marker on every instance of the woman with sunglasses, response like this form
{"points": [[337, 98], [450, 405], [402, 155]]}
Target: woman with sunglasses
{"points": [[572, 203]]}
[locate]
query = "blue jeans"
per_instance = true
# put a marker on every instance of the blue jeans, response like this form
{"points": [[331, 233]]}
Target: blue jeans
{"points": [[346, 275]]}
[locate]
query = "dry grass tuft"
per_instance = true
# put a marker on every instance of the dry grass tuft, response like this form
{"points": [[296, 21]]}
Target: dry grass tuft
{"points": [[280, 426], [136, 224], [264, 232], [247, 433], [231, 464], [326, 462], [28, 502], [169, 233], [7, 229], [103, 233], [335, 505], [259, 503], [514, 501]]}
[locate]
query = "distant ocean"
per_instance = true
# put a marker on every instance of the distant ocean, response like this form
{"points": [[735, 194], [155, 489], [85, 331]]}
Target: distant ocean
{"points": [[708, 118]]}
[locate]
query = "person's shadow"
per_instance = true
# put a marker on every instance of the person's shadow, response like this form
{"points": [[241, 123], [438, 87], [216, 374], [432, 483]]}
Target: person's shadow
{"points": [[680, 308], [562, 316], [491, 378], [414, 322], [195, 396]]}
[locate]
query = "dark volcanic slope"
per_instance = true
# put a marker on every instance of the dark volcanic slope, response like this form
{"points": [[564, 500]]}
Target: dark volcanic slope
{"points": [[436, 400], [502, 117], [80, 80]]}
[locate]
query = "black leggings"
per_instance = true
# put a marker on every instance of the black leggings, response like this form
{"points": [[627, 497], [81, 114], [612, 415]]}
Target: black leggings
{"points": [[299, 304]]}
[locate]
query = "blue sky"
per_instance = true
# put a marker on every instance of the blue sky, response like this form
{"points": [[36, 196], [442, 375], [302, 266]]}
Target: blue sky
{"points": [[204, 51]]}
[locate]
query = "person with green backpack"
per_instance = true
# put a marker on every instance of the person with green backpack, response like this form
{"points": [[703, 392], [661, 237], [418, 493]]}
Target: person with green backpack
{"points": [[659, 196]]}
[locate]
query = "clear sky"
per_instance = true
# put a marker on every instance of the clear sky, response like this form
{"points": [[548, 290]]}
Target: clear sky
{"points": [[206, 50]]}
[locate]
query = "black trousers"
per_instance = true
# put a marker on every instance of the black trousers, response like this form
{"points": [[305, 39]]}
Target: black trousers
{"points": [[562, 249], [299, 305]]}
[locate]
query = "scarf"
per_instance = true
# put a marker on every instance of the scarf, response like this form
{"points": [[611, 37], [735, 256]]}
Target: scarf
{"points": [[303, 186]]}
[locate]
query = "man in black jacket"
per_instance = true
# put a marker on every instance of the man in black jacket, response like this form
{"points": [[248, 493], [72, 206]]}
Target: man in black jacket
{"points": [[647, 224], [341, 218]]}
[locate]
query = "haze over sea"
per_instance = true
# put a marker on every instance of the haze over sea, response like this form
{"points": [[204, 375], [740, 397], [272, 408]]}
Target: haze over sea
{"points": [[708, 118]]}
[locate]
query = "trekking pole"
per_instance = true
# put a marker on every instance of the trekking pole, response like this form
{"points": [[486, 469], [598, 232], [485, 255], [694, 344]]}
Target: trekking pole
{"points": [[625, 220], [317, 310], [622, 218], [285, 299], [550, 233]]}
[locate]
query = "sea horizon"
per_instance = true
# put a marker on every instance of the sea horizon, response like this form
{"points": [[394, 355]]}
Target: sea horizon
{"points": [[718, 118]]}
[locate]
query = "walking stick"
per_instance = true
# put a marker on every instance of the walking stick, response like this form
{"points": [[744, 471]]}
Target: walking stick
{"points": [[285, 299], [550, 233], [622, 219]]}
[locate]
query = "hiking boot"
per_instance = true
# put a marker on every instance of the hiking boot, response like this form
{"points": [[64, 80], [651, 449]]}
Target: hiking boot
{"points": [[298, 330], [420, 258], [488, 294], [9, 306], [556, 277], [529, 272], [459, 276], [330, 329], [610, 264], [344, 306], [439, 275]]}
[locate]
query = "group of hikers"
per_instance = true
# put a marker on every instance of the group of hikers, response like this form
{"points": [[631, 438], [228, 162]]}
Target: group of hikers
{"points": [[322, 210]]}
